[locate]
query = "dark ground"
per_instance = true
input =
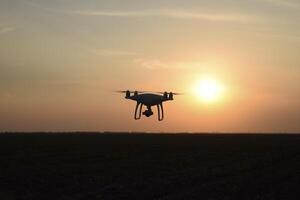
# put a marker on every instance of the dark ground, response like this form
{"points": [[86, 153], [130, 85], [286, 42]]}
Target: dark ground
{"points": [[142, 166]]}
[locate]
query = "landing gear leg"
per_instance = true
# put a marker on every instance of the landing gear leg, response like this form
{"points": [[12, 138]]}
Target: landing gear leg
{"points": [[139, 107], [160, 116]]}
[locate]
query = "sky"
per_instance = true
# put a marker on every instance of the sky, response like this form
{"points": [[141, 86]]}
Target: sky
{"points": [[61, 60]]}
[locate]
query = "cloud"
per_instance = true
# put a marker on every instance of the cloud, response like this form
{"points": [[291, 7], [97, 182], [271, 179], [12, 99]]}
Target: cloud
{"points": [[151, 64], [179, 14], [6, 29], [166, 13], [107, 52], [154, 64], [285, 3], [38, 6]]}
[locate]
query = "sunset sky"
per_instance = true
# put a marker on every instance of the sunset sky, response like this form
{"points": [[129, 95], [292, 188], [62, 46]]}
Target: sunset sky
{"points": [[61, 60]]}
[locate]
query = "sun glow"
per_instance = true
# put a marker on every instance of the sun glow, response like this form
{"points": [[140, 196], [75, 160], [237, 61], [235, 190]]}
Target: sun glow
{"points": [[209, 90]]}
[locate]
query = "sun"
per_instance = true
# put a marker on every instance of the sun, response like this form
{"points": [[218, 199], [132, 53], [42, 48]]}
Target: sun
{"points": [[208, 90]]}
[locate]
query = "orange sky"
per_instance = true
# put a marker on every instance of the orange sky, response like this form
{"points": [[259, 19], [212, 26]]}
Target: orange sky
{"points": [[61, 60]]}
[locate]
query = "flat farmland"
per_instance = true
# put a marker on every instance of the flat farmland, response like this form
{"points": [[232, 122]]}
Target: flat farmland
{"points": [[149, 166]]}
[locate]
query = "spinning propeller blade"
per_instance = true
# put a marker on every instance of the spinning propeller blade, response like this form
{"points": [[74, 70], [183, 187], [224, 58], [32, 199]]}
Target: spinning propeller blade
{"points": [[121, 91], [140, 92], [124, 91], [174, 93]]}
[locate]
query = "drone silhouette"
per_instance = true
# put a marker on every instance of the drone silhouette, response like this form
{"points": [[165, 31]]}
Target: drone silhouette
{"points": [[148, 99]]}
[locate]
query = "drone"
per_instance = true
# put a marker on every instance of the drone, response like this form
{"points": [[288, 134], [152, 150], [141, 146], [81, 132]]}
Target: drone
{"points": [[148, 99]]}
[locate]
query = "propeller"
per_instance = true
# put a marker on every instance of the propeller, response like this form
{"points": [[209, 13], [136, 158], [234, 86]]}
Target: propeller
{"points": [[174, 93], [124, 91], [120, 91], [177, 93]]}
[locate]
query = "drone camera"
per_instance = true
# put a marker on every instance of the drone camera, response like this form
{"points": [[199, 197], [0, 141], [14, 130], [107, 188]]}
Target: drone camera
{"points": [[147, 113]]}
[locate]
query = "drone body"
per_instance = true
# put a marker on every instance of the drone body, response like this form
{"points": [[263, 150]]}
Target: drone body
{"points": [[148, 100]]}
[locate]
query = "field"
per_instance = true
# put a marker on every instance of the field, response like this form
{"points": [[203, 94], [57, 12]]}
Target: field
{"points": [[149, 166]]}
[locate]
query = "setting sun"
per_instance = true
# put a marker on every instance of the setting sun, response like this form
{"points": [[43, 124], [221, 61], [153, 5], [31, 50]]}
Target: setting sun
{"points": [[209, 90]]}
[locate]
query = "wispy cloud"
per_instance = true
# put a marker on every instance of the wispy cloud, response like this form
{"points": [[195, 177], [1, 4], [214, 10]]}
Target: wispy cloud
{"points": [[39, 6], [285, 3], [6, 29], [111, 52], [154, 64], [166, 13], [151, 64], [180, 14]]}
